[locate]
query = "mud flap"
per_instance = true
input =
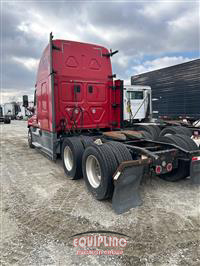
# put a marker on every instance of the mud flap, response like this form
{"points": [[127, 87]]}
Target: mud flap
{"points": [[126, 188], [195, 172]]}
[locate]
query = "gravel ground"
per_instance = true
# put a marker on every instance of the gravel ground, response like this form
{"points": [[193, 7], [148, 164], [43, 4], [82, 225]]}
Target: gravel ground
{"points": [[41, 208]]}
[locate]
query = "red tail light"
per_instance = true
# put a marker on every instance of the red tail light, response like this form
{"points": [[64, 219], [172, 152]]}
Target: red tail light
{"points": [[158, 169], [196, 158], [169, 167]]}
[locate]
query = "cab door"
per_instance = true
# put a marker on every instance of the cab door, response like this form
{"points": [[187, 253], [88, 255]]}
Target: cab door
{"points": [[137, 104], [43, 106], [134, 105]]}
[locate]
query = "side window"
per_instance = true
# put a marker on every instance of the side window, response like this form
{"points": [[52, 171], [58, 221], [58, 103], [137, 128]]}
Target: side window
{"points": [[35, 98], [44, 96], [38, 99], [135, 95], [77, 88], [90, 89]]}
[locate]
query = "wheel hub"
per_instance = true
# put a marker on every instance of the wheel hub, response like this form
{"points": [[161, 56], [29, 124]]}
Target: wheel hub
{"points": [[93, 171], [68, 158]]}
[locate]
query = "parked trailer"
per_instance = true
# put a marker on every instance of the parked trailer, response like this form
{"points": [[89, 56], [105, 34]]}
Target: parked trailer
{"points": [[176, 89], [78, 114]]}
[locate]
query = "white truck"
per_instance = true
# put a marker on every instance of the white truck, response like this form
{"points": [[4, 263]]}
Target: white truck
{"points": [[137, 103], [10, 110], [138, 114], [3, 119]]}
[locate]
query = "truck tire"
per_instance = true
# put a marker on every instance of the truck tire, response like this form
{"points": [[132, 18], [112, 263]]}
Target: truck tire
{"points": [[181, 172], [86, 141], [147, 135], [186, 131], [148, 128], [99, 165], [173, 139], [72, 152], [169, 130], [7, 120], [30, 139], [183, 169], [176, 130], [116, 152], [158, 130], [120, 151], [190, 143]]}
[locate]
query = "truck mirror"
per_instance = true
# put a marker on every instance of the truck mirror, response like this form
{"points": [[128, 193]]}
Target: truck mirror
{"points": [[25, 101]]}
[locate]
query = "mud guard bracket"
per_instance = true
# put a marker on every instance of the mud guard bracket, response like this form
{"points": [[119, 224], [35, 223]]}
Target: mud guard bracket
{"points": [[127, 180]]}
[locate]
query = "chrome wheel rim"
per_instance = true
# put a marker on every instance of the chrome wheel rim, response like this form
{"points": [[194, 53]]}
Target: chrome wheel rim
{"points": [[93, 171], [68, 158]]}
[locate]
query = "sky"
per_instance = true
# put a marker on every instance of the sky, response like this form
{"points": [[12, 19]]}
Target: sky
{"points": [[148, 34]]}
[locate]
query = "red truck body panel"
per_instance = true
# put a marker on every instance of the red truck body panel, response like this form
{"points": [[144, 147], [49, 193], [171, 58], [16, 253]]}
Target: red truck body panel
{"points": [[81, 94]]}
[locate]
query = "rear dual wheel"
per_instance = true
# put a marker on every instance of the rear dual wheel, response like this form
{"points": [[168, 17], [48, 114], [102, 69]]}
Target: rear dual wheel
{"points": [[176, 130], [86, 141], [147, 135], [120, 151], [181, 141], [191, 145], [72, 152], [99, 164], [150, 132]]}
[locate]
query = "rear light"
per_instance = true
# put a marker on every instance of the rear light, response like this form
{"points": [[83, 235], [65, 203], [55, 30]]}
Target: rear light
{"points": [[169, 167], [196, 158], [158, 169]]}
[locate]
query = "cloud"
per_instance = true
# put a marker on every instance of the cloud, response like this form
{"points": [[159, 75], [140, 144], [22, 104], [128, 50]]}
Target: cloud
{"points": [[139, 30], [12, 95], [158, 63], [30, 63]]}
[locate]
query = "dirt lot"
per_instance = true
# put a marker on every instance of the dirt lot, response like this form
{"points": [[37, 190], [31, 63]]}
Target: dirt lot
{"points": [[41, 208]]}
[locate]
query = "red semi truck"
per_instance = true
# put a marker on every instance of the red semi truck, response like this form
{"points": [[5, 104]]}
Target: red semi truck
{"points": [[78, 114]]}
